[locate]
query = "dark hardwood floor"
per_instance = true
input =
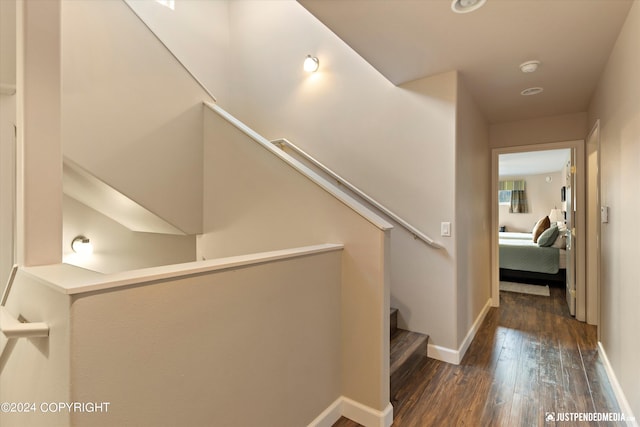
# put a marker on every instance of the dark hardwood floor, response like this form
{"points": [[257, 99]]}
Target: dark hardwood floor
{"points": [[529, 359]]}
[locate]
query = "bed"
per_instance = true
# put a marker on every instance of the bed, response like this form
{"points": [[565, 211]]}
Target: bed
{"points": [[523, 260]]}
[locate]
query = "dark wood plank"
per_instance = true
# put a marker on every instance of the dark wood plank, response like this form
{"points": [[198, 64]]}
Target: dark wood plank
{"points": [[529, 358]]}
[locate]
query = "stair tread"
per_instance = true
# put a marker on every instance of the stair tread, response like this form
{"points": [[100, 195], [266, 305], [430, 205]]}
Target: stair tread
{"points": [[404, 345]]}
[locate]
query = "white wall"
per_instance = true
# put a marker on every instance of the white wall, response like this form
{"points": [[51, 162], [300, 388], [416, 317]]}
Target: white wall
{"points": [[616, 104], [202, 24], [473, 213], [117, 248], [131, 114], [542, 196]]}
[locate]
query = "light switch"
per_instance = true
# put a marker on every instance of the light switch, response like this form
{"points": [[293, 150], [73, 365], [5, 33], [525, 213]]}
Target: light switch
{"points": [[604, 214], [445, 229]]}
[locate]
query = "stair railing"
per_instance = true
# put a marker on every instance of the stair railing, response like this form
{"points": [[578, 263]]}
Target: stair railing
{"points": [[417, 234], [15, 328]]}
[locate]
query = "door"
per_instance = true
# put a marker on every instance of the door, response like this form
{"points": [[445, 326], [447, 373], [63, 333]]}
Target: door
{"points": [[570, 218]]}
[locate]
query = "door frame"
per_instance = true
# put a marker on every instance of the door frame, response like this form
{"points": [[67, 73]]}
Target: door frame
{"points": [[579, 147], [593, 221]]}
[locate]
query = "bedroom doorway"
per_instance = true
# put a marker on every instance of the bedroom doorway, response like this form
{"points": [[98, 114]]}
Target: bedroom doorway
{"points": [[570, 180]]}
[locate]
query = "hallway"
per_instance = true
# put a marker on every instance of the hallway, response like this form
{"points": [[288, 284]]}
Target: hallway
{"points": [[530, 359]]}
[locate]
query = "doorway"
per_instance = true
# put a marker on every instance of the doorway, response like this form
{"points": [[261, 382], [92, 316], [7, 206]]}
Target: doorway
{"points": [[577, 227]]}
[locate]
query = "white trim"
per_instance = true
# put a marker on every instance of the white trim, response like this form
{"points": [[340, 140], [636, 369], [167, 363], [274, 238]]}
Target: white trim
{"points": [[329, 416], [365, 415], [355, 411], [455, 356], [70, 279], [443, 354], [474, 329], [625, 408]]}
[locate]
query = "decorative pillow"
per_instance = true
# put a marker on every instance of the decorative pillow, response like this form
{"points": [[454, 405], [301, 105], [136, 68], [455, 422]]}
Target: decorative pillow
{"points": [[548, 236], [561, 241], [539, 228]]}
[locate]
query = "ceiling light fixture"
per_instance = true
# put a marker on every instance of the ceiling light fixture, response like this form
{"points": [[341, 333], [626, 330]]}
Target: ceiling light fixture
{"points": [[466, 6], [531, 91], [311, 64], [529, 66]]}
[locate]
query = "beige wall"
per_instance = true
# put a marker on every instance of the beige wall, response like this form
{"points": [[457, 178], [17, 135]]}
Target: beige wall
{"points": [[473, 212], [131, 115], [7, 185], [616, 103], [269, 206], [8, 42], [567, 127], [36, 369], [117, 248], [392, 142], [542, 196], [252, 346]]}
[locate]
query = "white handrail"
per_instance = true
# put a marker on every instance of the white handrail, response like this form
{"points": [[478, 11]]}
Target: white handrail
{"points": [[411, 229], [12, 327]]}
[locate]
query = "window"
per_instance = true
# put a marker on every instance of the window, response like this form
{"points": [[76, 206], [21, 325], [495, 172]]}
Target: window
{"points": [[512, 193], [504, 197]]}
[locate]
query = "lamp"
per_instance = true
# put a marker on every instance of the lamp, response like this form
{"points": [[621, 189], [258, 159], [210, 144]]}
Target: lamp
{"points": [[82, 246], [556, 216], [311, 64]]}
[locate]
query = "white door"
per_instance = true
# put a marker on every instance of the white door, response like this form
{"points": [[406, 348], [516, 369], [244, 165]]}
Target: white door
{"points": [[569, 206]]}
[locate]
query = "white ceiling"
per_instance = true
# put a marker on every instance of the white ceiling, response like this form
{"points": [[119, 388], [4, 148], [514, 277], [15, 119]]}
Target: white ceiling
{"points": [[532, 163], [410, 39]]}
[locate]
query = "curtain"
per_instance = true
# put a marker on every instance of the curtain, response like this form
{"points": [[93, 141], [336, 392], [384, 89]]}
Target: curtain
{"points": [[518, 196], [518, 202]]}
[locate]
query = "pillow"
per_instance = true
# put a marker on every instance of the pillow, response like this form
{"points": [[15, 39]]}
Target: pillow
{"points": [[540, 226], [561, 241], [548, 236]]}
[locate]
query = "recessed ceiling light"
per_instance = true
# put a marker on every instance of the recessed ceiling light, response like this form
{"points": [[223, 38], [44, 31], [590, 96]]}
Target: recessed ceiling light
{"points": [[529, 66], [466, 6], [531, 91]]}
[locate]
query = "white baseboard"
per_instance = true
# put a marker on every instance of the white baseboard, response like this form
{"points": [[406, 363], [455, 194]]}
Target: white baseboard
{"points": [[329, 416], [348, 408], [625, 408], [448, 355]]}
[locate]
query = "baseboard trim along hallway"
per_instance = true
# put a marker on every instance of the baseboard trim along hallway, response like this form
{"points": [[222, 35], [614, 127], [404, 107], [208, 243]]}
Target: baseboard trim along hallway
{"points": [[355, 411], [625, 408], [448, 355]]}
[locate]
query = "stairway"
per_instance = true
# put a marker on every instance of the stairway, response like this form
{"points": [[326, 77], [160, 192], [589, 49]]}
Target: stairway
{"points": [[408, 351]]}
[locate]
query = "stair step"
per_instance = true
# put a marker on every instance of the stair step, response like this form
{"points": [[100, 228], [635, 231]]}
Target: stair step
{"points": [[405, 345], [393, 327], [408, 353]]}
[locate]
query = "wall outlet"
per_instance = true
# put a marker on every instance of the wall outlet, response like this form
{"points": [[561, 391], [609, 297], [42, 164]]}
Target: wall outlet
{"points": [[445, 229]]}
